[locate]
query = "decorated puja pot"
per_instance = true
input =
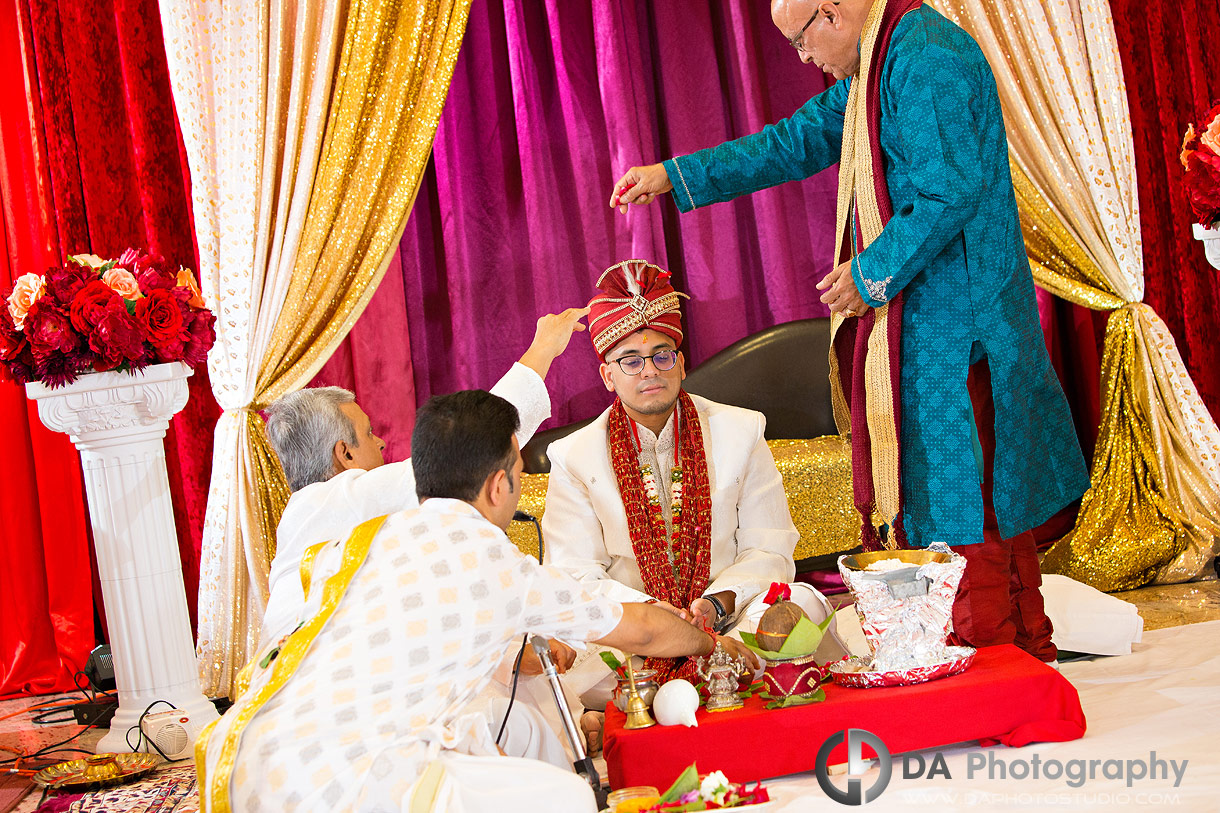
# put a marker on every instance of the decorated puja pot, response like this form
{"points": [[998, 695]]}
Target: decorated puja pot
{"points": [[792, 678]]}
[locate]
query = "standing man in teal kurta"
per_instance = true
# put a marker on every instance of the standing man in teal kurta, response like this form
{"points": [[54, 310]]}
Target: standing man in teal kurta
{"points": [[960, 431]]}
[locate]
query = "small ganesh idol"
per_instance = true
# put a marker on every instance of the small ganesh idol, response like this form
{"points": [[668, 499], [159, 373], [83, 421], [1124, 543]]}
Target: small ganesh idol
{"points": [[721, 671]]}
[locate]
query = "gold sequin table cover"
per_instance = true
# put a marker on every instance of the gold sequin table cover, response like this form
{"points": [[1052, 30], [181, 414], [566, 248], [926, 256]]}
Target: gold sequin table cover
{"points": [[817, 481]]}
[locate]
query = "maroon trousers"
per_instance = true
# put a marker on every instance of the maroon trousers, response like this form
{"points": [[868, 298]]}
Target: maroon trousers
{"points": [[999, 600]]}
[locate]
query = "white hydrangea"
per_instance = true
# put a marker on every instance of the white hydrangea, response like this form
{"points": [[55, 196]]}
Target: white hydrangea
{"points": [[713, 787]]}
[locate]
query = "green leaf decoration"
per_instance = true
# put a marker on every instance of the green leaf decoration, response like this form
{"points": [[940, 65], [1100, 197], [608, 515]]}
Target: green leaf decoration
{"points": [[131, 305], [614, 663], [796, 700], [804, 638], [106, 266], [687, 781]]}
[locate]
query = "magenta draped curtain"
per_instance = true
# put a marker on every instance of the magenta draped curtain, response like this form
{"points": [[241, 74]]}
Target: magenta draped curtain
{"points": [[549, 102]]}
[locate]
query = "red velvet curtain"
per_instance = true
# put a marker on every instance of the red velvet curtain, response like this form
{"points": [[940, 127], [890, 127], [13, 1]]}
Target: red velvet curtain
{"points": [[1172, 73], [87, 88], [46, 604]]}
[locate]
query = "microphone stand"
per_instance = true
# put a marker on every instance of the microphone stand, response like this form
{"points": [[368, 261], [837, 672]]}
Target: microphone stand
{"points": [[584, 763]]}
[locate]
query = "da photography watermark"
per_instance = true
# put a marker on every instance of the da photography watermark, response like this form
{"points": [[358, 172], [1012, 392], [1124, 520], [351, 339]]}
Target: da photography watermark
{"points": [[1075, 773], [855, 793], [1139, 774]]}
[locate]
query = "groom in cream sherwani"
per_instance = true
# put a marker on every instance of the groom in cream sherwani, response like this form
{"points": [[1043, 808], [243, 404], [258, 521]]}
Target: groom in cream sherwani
{"points": [[666, 497]]}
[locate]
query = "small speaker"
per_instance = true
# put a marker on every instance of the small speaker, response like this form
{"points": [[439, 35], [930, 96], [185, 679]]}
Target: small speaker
{"points": [[171, 731], [100, 668]]}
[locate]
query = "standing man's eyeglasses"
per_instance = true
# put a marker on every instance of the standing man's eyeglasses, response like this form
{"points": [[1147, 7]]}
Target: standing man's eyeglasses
{"points": [[798, 42]]}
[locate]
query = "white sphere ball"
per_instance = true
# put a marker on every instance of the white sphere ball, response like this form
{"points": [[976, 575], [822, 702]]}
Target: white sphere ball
{"points": [[675, 704]]}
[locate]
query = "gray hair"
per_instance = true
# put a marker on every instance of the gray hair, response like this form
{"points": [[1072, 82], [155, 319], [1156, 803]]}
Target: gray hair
{"points": [[303, 428]]}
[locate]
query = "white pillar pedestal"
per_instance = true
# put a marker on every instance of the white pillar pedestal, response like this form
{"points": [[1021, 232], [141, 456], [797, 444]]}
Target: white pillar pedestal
{"points": [[118, 421], [1210, 237]]}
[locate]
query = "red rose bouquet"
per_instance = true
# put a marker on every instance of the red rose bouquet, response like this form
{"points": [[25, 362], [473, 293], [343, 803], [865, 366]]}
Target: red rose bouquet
{"points": [[1200, 158], [98, 315]]}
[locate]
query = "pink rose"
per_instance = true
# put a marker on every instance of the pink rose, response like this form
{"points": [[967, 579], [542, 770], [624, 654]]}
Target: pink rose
{"points": [[122, 282], [26, 291], [151, 277]]}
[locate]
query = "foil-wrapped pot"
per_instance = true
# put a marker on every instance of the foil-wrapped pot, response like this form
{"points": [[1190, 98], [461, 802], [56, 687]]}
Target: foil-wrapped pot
{"points": [[904, 599]]}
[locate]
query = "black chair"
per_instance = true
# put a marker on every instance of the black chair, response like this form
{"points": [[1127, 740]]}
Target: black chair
{"points": [[782, 372]]}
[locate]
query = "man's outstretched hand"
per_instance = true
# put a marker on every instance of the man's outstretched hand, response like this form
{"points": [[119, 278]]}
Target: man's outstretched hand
{"points": [[640, 185], [551, 338]]}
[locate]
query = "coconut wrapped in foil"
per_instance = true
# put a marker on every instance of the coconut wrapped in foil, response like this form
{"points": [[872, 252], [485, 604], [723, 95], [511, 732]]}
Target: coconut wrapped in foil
{"points": [[904, 599]]}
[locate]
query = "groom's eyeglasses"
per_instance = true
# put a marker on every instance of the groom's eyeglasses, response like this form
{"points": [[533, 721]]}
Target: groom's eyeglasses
{"points": [[798, 42], [634, 365]]}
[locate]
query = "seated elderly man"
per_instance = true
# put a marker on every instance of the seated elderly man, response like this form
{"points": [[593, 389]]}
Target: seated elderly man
{"points": [[666, 497], [334, 466], [363, 707]]}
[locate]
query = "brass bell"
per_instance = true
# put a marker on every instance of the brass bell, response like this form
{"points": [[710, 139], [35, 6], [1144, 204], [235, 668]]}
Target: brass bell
{"points": [[638, 715]]}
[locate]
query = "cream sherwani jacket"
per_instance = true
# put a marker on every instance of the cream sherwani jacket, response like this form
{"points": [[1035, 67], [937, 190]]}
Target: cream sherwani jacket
{"points": [[329, 510], [753, 538]]}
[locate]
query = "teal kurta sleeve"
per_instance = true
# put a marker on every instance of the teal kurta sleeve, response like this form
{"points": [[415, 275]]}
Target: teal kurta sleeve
{"points": [[938, 135], [789, 150]]}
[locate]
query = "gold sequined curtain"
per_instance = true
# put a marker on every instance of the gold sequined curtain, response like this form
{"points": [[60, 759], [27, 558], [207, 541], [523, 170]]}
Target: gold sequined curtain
{"points": [[1152, 510], [251, 84], [307, 125], [392, 80]]}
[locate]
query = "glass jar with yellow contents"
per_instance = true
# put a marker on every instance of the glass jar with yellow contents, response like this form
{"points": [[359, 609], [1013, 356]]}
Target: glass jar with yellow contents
{"points": [[633, 799]]}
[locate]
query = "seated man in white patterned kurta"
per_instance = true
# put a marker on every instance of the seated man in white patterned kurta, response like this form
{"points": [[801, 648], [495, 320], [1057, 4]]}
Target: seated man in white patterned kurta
{"points": [[333, 462], [363, 707]]}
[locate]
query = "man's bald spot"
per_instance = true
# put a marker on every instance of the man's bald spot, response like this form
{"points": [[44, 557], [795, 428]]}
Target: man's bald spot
{"points": [[785, 12]]}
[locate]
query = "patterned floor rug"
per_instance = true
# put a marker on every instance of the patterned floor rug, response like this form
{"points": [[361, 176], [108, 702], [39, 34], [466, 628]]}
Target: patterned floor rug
{"points": [[172, 790]]}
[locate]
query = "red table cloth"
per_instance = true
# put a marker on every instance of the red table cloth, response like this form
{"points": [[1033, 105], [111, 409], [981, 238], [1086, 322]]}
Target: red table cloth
{"points": [[1006, 696]]}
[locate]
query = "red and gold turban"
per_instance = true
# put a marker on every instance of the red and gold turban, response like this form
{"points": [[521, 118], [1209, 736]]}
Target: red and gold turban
{"points": [[635, 295]]}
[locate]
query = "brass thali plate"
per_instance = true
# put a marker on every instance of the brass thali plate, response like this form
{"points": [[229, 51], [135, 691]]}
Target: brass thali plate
{"points": [[95, 772], [861, 561]]}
